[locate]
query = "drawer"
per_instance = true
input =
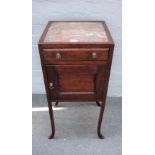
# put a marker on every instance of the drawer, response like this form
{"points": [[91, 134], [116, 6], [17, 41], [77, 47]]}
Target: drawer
{"points": [[49, 55]]}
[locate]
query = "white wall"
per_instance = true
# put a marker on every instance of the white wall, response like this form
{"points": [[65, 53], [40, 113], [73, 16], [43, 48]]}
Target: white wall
{"points": [[108, 10]]}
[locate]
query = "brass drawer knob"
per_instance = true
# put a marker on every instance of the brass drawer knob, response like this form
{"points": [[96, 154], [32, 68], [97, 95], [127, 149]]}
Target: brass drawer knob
{"points": [[94, 56], [58, 56]]}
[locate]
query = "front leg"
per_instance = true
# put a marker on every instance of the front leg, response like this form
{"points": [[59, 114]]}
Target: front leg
{"points": [[103, 105], [51, 120], [100, 120]]}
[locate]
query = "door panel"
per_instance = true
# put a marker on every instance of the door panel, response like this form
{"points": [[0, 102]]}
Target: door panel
{"points": [[76, 82]]}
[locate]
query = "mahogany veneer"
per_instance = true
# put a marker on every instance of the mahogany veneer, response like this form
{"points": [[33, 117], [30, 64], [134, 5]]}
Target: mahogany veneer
{"points": [[76, 60]]}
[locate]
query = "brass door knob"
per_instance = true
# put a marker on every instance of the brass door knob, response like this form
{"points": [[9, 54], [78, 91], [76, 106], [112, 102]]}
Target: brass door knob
{"points": [[51, 85], [94, 56], [58, 56]]}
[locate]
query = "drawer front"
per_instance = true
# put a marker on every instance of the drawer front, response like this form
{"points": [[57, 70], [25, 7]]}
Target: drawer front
{"points": [[50, 55]]}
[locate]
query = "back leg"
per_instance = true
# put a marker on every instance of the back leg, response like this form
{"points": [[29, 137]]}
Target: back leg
{"points": [[99, 103]]}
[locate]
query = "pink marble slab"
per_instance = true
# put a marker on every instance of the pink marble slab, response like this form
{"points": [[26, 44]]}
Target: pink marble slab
{"points": [[76, 32]]}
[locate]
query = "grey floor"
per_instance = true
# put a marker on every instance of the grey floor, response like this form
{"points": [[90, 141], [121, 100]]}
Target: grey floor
{"points": [[76, 125]]}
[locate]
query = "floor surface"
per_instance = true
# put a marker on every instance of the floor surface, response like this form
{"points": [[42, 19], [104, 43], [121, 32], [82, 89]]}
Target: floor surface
{"points": [[76, 128]]}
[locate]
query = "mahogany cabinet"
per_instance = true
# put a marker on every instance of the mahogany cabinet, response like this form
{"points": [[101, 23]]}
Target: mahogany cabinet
{"points": [[76, 58]]}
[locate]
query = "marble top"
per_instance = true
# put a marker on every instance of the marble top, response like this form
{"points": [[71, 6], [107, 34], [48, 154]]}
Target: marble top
{"points": [[76, 32]]}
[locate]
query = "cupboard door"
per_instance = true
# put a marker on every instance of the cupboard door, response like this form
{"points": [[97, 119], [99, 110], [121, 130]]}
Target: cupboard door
{"points": [[76, 82]]}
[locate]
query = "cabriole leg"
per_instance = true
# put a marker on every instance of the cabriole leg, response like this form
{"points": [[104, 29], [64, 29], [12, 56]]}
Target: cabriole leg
{"points": [[99, 103], [56, 103], [100, 121], [103, 106], [52, 120]]}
